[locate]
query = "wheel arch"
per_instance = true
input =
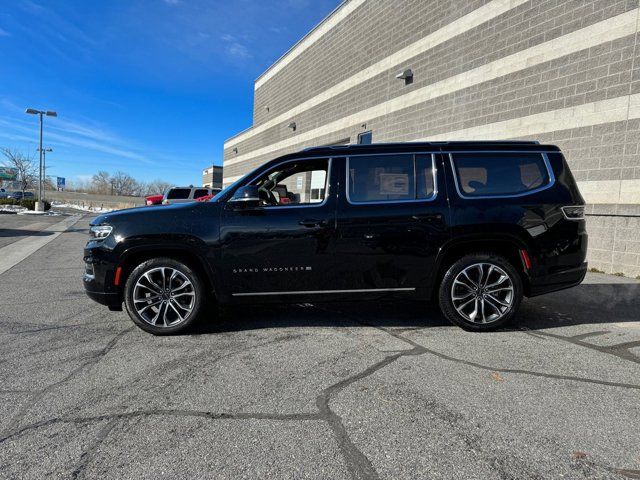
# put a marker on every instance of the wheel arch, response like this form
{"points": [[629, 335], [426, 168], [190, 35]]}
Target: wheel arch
{"points": [[505, 245], [134, 256]]}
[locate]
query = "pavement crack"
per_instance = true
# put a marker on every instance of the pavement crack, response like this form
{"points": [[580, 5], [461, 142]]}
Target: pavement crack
{"points": [[357, 462], [516, 370], [87, 455], [37, 396], [114, 417], [582, 336], [620, 350]]}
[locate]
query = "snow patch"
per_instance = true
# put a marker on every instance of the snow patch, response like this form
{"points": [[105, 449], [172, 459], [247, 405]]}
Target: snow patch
{"points": [[82, 208]]}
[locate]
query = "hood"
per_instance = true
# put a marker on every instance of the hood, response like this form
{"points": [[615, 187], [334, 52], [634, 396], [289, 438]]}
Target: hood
{"points": [[147, 214]]}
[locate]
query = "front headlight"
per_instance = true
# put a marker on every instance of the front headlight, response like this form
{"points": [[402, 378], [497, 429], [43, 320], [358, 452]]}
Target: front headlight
{"points": [[99, 232]]}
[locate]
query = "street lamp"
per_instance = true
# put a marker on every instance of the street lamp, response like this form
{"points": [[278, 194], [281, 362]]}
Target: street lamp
{"points": [[44, 168], [48, 113]]}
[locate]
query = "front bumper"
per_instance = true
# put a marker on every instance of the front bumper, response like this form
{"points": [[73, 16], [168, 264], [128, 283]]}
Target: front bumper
{"points": [[108, 299], [567, 278], [98, 278]]}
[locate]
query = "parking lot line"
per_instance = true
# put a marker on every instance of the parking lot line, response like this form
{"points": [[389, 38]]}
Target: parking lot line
{"points": [[16, 252]]}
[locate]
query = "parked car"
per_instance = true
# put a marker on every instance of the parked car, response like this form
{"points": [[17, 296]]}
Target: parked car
{"points": [[184, 194], [475, 226], [206, 198], [18, 195], [153, 199]]}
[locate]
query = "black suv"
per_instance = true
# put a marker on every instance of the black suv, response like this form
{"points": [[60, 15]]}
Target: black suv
{"points": [[475, 224]]}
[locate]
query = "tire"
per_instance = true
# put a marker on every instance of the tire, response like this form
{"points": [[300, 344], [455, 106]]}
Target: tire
{"points": [[484, 283], [175, 300]]}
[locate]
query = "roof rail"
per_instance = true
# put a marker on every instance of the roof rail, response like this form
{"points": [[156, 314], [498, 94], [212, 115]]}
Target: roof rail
{"points": [[434, 143]]}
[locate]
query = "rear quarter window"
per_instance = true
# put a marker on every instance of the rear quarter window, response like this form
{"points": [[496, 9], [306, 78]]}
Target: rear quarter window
{"points": [[200, 192], [178, 193], [499, 173]]}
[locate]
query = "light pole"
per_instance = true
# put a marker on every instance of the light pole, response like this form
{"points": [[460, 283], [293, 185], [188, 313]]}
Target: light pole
{"points": [[33, 111], [44, 168]]}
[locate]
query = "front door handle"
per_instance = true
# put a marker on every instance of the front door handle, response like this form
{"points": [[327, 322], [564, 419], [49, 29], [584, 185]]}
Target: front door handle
{"points": [[312, 222], [427, 218]]}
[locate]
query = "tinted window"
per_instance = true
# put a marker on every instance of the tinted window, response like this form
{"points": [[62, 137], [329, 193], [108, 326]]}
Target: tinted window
{"points": [[486, 174], [178, 193], [200, 192], [376, 178]]}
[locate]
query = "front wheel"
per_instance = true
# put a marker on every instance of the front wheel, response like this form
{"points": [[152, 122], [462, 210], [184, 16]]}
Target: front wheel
{"points": [[480, 292], [163, 296]]}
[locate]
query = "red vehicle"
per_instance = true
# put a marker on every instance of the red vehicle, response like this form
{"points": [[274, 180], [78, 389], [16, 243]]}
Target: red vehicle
{"points": [[153, 200], [206, 198]]}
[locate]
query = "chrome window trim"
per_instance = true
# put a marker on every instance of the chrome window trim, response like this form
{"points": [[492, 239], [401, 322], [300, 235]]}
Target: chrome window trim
{"points": [[327, 184], [434, 172], [315, 292], [454, 172]]}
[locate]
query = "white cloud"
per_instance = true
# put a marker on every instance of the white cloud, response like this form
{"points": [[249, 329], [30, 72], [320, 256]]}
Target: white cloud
{"points": [[4, 33], [234, 48], [238, 50]]}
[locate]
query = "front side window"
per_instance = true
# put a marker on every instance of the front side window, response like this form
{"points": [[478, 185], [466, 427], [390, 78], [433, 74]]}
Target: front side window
{"points": [[178, 193], [381, 178], [294, 183], [499, 173]]}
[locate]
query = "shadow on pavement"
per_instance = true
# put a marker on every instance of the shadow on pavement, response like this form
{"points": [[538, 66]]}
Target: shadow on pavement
{"points": [[582, 305], [14, 232]]}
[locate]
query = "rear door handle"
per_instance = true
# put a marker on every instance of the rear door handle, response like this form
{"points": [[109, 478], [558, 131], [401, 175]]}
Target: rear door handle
{"points": [[427, 218], [312, 222]]}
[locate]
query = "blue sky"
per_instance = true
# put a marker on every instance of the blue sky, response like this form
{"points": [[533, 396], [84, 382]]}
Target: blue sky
{"points": [[149, 87]]}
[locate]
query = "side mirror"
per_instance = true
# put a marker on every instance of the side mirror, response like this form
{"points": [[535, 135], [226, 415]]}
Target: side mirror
{"points": [[246, 197]]}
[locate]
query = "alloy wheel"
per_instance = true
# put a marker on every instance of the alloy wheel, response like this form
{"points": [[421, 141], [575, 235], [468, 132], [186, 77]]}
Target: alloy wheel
{"points": [[482, 293], [164, 297]]}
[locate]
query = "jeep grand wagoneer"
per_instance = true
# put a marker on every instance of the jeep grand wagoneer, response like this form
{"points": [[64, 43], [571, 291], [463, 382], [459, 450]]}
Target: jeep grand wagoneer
{"points": [[475, 225]]}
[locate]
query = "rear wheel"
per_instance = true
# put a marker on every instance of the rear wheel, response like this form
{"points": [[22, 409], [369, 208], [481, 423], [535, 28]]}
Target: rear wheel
{"points": [[163, 296], [480, 292]]}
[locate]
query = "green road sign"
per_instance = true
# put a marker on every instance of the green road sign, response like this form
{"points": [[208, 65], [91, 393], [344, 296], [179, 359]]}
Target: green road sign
{"points": [[7, 173]]}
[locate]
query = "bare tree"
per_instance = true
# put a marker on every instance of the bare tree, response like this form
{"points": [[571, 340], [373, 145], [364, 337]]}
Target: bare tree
{"points": [[157, 187], [124, 184], [101, 182], [24, 166]]}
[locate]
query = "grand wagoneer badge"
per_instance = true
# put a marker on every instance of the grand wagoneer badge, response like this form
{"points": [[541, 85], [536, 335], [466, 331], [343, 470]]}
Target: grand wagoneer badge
{"points": [[272, 269]]}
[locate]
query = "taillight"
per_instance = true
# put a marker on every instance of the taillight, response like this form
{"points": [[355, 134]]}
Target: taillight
{"points": [[574, 212]]}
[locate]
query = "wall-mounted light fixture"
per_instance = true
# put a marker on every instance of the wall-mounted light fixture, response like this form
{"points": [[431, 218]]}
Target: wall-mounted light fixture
{"points": [[406, 75], [292, 126], [266, 108], [235, 150]]}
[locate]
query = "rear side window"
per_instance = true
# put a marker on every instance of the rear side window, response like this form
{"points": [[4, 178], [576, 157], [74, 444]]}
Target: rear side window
{"points": [[200, 192], [499, 173], [178, 193], [381, 178]]}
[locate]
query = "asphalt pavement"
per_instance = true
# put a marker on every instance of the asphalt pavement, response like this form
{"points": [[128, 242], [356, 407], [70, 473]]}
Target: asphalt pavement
{"points": [[382, 390]]}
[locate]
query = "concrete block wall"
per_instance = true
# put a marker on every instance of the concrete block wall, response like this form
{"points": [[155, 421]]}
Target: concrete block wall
{"points": [[559, 71]]}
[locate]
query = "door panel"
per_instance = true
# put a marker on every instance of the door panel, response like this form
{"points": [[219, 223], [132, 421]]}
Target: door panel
{"points": [[390, 244], [279, 249]]}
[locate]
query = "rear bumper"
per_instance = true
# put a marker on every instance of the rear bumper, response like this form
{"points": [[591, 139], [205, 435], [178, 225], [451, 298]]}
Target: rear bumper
{"points": [[567, 278]]}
